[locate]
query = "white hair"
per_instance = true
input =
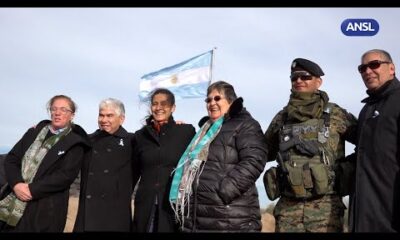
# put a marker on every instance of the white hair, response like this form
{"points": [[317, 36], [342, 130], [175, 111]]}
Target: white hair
{"points": [[113, 103]]}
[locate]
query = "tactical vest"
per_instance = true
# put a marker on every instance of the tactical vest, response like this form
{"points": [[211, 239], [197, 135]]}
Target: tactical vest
{"points": [[307, 157]]}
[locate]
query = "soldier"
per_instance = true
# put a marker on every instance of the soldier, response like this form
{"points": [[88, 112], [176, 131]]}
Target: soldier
{"points": [[307, 138]]}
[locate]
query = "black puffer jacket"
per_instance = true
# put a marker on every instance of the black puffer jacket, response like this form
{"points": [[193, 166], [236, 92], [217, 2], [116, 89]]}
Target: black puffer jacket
{"points": [[225, 198]]}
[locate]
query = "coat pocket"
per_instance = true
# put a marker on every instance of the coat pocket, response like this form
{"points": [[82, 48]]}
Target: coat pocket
{"points": [[320, 178], [271, 183], [295, 178]]}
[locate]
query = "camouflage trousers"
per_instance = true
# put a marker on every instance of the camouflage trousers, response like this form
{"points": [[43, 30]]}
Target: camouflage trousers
{"points": [[323, 214]]}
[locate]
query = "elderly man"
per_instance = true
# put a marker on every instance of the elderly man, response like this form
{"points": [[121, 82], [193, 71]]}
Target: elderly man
{"points": [[307, 138], [106, 180], [375, 205]]}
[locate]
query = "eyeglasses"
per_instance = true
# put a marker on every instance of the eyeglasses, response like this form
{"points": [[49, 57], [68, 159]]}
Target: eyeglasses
{"points": [[303, 77], [371, 65], [61, 109], [216, 99]]}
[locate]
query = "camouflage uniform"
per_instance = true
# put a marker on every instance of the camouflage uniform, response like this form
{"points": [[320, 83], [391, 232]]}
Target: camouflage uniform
{"points": [[323, 214], [312, 212]]}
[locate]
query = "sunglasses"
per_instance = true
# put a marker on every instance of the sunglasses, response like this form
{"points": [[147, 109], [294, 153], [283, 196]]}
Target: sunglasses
{"points": [[303, 77], [63, 110], [371, 65], [216, 99]]}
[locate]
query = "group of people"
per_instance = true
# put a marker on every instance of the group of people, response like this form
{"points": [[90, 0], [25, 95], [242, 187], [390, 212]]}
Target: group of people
{"points": [[307, 139], [204, 181]]}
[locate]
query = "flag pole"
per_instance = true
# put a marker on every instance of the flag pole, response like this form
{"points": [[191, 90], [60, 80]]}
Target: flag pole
{"points": [[212, 64]]}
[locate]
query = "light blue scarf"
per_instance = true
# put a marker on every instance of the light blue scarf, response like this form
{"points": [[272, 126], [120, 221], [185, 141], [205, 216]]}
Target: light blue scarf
{"points": [[188, 166]]}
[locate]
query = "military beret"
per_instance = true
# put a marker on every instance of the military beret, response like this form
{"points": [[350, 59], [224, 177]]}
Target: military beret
{"points": [[307, 65]]}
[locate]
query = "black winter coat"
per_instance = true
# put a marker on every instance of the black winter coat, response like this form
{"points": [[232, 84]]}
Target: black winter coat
{"points": [[225, 197], [156, 156], [47, 211], [106, 184], [375, 205]]}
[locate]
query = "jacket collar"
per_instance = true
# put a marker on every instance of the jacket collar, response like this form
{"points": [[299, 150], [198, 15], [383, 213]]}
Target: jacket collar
{"points": [[75, 129], [152, 132], [149, 121], [121, 132], [385, 90]]}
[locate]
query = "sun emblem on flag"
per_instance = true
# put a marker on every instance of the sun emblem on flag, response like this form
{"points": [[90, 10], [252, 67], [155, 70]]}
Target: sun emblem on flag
{"points": [[174, 79]]}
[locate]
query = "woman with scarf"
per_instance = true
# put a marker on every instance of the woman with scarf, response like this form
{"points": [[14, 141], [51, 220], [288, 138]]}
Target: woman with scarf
{"points": [[213, 188], [307, 138], [40, 169], [157, 149]]}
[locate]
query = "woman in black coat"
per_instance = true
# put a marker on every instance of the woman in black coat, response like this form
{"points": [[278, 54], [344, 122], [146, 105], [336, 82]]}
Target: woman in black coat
{"points": [[158, 147], [40, 169], [217, 173]]}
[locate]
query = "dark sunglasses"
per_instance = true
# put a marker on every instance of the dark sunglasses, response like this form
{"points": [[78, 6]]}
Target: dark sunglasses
{"points": [[216, 98], [371, 65], [302, 77]]}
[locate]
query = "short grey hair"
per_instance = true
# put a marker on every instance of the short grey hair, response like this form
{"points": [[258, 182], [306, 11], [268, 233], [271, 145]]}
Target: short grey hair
{"points": [[224, 88], [384, 54], [113, 103]]}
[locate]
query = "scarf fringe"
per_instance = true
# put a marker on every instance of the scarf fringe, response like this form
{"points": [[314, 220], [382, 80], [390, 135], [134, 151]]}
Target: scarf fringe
{"points": [[189, 168]]}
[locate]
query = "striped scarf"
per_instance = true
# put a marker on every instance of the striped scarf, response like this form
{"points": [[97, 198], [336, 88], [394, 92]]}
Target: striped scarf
{"points": [[189, 166]]}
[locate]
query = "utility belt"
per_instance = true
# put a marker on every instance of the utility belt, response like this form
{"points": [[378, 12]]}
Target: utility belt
{"points": [[310, 179], [298, 179]]}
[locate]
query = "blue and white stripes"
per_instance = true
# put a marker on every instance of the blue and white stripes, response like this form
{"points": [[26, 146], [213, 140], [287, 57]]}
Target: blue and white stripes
{"points": [[188, 79]]}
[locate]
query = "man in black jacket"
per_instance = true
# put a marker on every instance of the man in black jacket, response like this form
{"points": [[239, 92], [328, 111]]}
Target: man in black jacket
{"points": [[375, 203], [2, 173], [106, 177]]}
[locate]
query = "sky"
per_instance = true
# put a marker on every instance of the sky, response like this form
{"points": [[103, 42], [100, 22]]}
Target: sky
{"points": [[91, 54]]}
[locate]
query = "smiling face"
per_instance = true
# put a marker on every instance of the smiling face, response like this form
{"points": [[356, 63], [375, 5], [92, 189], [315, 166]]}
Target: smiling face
{"points": [[161, 108], [109, 120], [217, 105], [61, 113], [303, 81], [375, 75]]}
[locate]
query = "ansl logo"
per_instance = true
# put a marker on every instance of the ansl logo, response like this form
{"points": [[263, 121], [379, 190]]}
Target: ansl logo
{"points": [[360, 27]]}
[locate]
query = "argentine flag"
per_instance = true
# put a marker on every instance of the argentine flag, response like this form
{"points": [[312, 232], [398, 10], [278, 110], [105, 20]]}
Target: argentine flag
{"points": [[188, 79]]}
